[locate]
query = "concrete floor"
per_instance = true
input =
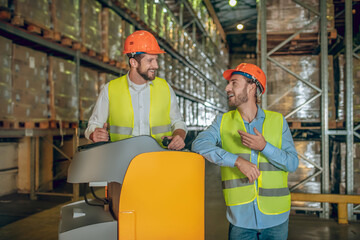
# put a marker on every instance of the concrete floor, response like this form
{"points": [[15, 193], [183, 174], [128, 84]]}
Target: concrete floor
{"points": [[21, 218], [43, 224]]}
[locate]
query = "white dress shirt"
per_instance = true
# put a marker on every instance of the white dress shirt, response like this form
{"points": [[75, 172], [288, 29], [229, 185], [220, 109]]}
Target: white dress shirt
{"points": [[140, 99]]}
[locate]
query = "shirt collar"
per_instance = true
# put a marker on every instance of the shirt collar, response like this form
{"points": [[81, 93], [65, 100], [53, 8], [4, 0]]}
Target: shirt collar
{"points": [[132, 85], [260, 113]]}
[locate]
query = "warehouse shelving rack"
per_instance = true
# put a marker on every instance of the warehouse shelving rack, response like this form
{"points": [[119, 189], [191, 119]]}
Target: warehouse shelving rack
{"points": [[189, 20], [22, 37], [350, 130]]}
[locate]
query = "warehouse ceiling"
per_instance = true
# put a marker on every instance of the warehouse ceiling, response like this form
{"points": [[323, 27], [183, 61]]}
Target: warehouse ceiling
{"points": [[245, 12]]}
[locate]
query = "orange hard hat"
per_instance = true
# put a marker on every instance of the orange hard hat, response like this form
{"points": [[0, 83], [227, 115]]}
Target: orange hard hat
{"points": [[141, 42], [250, 71]]}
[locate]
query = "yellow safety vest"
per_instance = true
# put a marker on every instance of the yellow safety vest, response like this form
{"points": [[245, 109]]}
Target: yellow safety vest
{"points": [[121, 113], [273, 195]]}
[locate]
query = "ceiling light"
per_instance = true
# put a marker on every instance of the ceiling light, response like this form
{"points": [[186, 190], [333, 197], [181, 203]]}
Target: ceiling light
{"points": [[240, 26], [232, 3]]}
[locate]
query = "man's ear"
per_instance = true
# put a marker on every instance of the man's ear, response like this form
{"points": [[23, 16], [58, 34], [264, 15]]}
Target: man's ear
{"points": [[252, 87], [133, 62]]}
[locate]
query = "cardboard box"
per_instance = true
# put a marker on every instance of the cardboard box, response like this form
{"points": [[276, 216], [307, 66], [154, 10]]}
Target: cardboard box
{"points": [[285, 16], [91, 24], [35, 12], [29, 69], [66, 18], [63, 90], [285, 92], [29, 84], [88, 90], [113, 29], [5, 78]]}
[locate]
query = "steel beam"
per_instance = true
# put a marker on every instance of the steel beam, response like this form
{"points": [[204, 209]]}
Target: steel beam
{"points": [[349, 103], [324, 104], [263, 46]]}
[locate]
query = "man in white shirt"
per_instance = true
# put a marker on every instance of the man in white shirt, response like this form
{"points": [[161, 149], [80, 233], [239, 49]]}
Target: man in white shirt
{"points": [[138, 103]]}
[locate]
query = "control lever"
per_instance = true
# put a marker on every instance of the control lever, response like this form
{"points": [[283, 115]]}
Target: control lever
{"points": [[166, 141]]}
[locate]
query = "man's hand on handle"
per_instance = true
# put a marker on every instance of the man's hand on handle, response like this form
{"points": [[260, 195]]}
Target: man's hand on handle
{"points": [[177, 143], [177, 140], [100, 134]]}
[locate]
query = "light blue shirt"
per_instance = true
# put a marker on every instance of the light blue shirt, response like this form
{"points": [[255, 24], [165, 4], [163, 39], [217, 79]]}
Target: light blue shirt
{"points": [[208, 144]]}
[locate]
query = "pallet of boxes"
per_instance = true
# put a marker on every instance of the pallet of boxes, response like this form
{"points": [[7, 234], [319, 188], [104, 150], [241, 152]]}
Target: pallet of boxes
{"points": [[287, 94]]}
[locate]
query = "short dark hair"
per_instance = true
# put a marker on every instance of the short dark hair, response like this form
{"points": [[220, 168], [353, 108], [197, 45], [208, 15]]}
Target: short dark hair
{"points": [[137, 57], [256, 95]]}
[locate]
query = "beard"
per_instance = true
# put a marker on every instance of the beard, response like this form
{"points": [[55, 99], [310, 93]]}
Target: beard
{"points": [[145, 74], [239, 99]]}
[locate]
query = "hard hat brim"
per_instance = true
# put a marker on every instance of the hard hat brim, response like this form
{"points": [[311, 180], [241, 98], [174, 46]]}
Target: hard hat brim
{"points": [[227, 74], [149, 52]]}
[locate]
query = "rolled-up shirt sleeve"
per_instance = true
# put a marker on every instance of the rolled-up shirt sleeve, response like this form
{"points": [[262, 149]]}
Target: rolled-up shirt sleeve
{"points": [[177, 121], [100, 112], [208, 144], [285, 158]]}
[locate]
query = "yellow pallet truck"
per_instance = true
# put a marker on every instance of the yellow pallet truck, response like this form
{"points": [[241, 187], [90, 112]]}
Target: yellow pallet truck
{"points": [[161, 194]]}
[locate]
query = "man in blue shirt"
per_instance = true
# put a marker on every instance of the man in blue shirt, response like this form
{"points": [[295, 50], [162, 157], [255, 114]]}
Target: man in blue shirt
{"points": [[255, 151]]}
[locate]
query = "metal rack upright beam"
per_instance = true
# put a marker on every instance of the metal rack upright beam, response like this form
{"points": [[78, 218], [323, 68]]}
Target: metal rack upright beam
{"points": [[324, 105], [349, 104], [323, 91]]}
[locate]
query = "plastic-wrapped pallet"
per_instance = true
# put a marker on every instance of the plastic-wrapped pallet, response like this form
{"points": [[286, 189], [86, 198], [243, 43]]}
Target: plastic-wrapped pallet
{"points": [[63, 90], [35, 12], [341, 90], [8, 167], [91, 24], [88, 91], [131, 5], [201, 115], [66, 18], [162, 67], [104, 78], [160, 23], [112, 35], [356, 79], [29, 84], [6, 101], [285, 92], [152, 13], [285, 16], [356, 153], [129, 29], [190, 113], [311, 150], [180, 101], [144, 11], [4, 3]]}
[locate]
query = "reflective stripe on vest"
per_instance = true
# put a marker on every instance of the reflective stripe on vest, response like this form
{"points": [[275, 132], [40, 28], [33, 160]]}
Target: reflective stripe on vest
{"points": [[121, 113], [273, 195]]}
